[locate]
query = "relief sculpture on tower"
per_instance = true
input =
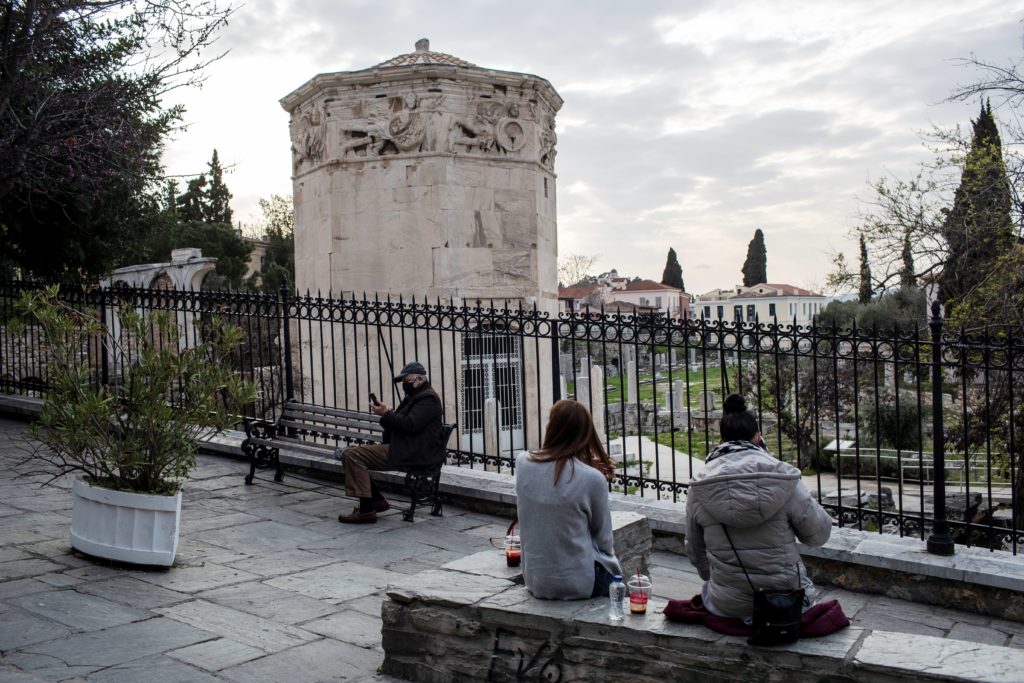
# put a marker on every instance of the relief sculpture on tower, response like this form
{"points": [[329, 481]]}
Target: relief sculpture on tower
{"points": [[309, 133], [495, 128], [411, 123]]}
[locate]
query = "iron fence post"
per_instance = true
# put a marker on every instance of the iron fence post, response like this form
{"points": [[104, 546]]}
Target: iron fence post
{"points": [[556, 372], [939, 542], [287, 350]]}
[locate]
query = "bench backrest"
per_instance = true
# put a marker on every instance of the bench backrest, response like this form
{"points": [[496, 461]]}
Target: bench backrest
{"points": [[305, 419]]}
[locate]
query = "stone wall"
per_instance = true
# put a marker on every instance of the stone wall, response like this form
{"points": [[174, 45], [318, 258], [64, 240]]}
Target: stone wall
{"points": [[448, 626]]}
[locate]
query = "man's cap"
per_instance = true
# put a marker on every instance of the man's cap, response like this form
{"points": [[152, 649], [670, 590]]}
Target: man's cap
{"points": [[412, 368]]}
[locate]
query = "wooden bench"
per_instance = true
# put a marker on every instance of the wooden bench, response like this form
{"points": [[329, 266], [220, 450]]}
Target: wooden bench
{"points": [[321, 431]]}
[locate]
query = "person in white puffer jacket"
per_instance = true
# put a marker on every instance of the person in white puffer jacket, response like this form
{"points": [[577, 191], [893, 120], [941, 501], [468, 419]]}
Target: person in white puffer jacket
{"points": [[766, 508]]}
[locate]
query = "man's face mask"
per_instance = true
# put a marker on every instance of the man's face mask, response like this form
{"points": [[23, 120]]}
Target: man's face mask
{"points": [[409, 387]]}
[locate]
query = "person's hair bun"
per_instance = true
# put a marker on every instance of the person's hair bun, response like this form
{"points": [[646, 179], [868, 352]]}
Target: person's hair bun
{"points": [[734, 403]]}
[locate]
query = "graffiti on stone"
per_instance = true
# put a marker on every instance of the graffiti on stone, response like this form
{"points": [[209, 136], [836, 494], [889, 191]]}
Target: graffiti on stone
{"points": [[545, 664]]}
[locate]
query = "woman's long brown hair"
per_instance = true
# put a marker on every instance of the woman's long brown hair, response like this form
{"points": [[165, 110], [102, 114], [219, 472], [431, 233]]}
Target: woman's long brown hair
{"points": [[570, 435]]}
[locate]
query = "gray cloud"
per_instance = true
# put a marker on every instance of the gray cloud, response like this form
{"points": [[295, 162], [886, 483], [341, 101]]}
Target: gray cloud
{"points": [[683, 126]]}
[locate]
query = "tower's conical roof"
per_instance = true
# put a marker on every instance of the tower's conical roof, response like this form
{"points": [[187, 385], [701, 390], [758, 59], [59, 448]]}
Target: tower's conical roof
{"points": [[423, 55]]}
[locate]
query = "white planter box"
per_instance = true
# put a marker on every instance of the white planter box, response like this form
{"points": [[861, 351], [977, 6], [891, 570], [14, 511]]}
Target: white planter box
{"points": [[128, 527]]}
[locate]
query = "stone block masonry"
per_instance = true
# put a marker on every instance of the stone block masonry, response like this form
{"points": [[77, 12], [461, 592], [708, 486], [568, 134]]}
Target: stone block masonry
{"points": [[453, 626]]}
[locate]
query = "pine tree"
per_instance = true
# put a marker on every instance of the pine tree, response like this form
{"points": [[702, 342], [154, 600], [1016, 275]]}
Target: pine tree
{"points": [[218, 197], [865, 273], [979, 227], [755, 268], [171, 197], [673, 274], [907, 276]]}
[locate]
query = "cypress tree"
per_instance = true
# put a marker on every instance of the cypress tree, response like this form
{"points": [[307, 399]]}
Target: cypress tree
{"points": [[979, 227], [755, 268], [907, 276], [218, 197], [673, 274], [865, 273]]}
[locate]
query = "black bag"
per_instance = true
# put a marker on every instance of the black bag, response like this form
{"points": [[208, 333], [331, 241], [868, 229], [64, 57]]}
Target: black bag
{"points": [[776, 612]]}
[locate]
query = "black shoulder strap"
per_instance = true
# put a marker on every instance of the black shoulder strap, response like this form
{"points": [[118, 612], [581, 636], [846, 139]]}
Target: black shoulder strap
{"points": [[737, 554]]}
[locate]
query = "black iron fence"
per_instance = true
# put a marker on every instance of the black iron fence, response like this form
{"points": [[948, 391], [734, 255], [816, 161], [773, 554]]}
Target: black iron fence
{"points": [[908, 432]]}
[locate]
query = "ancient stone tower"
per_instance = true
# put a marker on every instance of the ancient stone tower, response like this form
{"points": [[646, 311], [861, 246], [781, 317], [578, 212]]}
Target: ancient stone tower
{"points": [[426, 175], [429, 177]]}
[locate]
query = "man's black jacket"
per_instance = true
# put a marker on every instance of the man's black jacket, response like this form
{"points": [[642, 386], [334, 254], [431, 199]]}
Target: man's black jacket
{"points": [[413, 429]]}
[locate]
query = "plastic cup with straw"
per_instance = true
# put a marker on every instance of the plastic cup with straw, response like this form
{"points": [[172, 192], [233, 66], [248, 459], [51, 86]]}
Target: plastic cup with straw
{"points": [[639, 587]]}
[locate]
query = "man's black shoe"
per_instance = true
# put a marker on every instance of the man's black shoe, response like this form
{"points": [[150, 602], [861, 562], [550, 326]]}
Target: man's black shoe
{"points": [[357, 517]]}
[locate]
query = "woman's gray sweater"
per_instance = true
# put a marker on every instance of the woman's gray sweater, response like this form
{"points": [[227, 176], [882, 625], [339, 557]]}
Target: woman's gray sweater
{"points": [[564, 528]]}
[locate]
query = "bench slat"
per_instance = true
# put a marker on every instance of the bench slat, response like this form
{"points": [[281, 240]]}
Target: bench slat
{"points": [[324, 410], [376, 437], [296, 445], [371, 424]]}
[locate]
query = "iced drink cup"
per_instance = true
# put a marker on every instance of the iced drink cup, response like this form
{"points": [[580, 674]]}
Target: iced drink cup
{"points": [[513, 551], [639, 593]]}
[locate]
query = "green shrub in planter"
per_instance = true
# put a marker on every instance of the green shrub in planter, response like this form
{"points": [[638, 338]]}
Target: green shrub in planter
{"points": [[139, 434]]}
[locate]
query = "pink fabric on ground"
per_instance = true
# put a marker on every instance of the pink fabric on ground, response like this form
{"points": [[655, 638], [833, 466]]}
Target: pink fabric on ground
{"points": [[821, 619]]}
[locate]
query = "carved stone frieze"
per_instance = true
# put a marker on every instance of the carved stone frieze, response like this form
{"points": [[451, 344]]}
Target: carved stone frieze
{"points": [[309, 133], [412, 123]]}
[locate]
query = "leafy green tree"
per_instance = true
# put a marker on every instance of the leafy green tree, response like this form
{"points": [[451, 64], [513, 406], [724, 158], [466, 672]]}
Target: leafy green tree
{"points": [[865, 291], [191, 206], [278, 267], [673, 274], [82, 90], [979, 227], [755, 267], [902, 310], [192, 219]]}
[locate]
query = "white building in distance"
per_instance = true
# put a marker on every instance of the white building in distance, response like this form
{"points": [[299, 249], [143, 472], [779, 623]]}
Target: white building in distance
{"points": [[764, 302]]}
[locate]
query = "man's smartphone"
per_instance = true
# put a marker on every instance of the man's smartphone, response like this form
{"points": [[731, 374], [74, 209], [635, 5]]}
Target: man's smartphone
{"points": [[373, 399]]}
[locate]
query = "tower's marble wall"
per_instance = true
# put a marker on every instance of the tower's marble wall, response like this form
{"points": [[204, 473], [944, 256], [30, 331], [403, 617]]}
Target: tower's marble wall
{"points": [[426, 176]]}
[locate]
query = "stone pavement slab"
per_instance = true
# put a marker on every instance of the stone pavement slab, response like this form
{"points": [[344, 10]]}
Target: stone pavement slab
{"points": [[82, 654], [974, 660], [214, 655], [197, 578], [155, 669], [268, 602], [130, 591], [247, 629], [337, 582], [349, 626], [323, 660], [19, 628], [276, 563], [79, 611], [17, 569]]}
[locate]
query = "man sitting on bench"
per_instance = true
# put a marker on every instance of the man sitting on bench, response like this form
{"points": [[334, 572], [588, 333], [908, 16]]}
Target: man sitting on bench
{"points": [[412, 437]]}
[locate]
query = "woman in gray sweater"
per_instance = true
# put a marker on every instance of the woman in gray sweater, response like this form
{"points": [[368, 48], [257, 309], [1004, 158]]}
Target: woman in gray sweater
{"points": [[564, 520]]}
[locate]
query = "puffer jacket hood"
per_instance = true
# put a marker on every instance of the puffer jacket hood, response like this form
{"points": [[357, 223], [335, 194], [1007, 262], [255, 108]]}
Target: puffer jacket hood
{"points": [[743, 486]]}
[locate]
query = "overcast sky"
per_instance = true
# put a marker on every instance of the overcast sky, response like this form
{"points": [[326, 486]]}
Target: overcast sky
{"points": [[686, 124]]}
